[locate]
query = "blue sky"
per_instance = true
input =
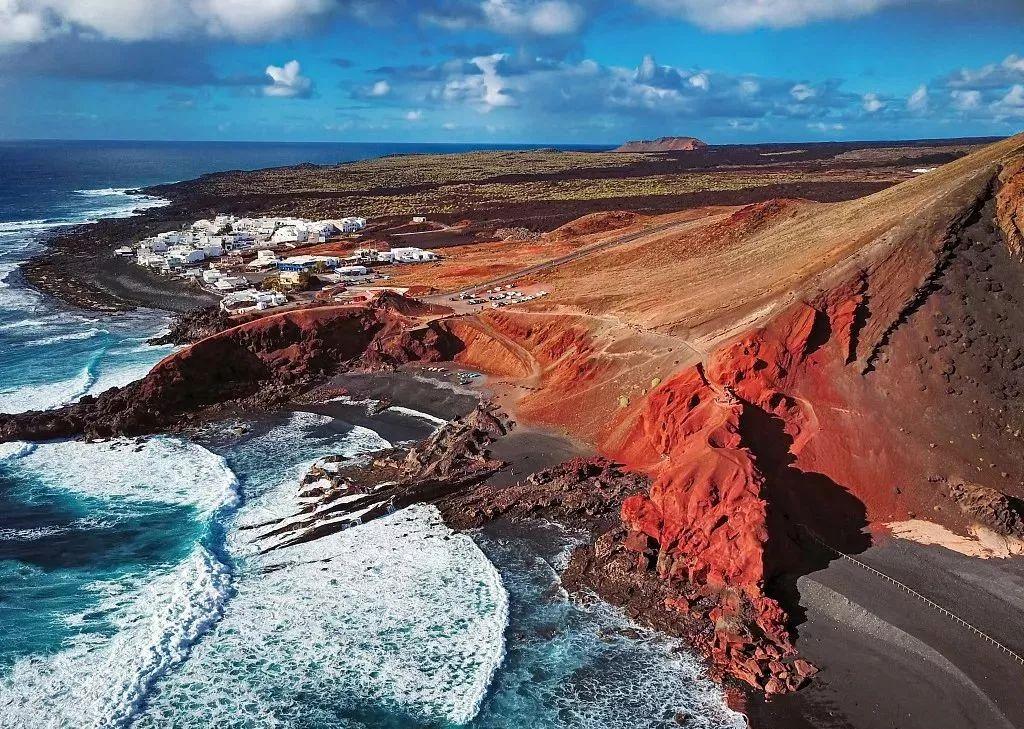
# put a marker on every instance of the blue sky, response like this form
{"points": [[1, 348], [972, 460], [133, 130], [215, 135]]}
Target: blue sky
{"points": [[509, 71]]}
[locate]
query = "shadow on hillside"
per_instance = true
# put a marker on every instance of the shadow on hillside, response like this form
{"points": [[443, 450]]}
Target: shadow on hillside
{"points": [[802, 505]]}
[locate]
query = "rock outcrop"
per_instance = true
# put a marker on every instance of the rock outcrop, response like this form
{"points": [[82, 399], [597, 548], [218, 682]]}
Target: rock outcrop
{"points": [[338, 494], [256, 364], [191, 326], [994, 509], [582, 492], [663, 144]]}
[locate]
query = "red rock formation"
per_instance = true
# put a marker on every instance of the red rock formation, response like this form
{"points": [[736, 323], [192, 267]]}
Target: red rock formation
{"points": [[595, 223], [1010, 205], [663, 144], [796, 428], [256, 363], [706, 438]]}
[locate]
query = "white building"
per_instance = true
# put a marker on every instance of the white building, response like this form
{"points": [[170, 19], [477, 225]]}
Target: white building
{"points": [[230, 283], [242, 302], [180, 255], [288, 234], [213, 249], [351, 225], [150, 259], [305, 263], [412, 255], [264, 259], [351, 270]]}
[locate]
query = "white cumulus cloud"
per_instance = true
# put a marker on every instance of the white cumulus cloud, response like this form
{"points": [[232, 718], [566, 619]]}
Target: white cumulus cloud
{"points": [[486, 88], [918, 101], [966, 100], [872, 103], [287, 81], [509, 17], [803, 92], [32, 21], [738, 15]]}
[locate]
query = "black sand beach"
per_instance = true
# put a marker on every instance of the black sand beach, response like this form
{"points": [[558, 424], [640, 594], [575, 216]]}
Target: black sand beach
{"points": [[889, 660]]}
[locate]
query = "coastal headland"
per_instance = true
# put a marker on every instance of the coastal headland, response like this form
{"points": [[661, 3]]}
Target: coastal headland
{"points": [[791, 377]]}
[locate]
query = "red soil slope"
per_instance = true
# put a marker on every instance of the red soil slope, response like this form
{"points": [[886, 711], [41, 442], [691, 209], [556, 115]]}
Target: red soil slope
{"points": [[783, 372], [872, 359]]}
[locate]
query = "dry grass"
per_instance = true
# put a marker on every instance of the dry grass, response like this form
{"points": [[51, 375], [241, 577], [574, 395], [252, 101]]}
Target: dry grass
{"points": [[465, 184]]}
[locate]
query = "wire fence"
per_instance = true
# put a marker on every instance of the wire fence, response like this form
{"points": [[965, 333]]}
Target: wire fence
{"points": [[914, 593]]}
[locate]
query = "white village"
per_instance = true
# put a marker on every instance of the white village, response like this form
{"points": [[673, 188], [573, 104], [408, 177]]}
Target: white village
{"points": [[253, 264]]}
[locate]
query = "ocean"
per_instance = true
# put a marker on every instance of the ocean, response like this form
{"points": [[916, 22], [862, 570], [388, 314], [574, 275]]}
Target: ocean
{"points": [[131, 593]]}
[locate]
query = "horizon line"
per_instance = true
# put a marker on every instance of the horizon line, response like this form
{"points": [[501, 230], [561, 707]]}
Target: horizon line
{"points": [[750, 143]]}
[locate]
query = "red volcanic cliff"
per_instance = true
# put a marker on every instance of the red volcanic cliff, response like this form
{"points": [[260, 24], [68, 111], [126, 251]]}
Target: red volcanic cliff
{"points": [[716, 438], [886, 368], [884, 354], [259, 362], [892, 374], [663, 144]]}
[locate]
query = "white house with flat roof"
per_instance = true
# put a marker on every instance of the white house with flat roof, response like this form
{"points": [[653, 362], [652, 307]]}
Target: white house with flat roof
{"points": [[412, 255], [241, 302]]}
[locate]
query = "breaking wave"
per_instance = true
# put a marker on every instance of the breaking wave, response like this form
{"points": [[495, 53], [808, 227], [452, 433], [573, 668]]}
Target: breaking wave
{"points": [[99, 680], [418, 414], [161, 469], [400, 621]]}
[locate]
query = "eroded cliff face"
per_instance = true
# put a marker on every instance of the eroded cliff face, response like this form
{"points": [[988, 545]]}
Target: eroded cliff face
{"points": [[846, 401], [255, 364], [719, 441], [851, 407], [886, 375]]}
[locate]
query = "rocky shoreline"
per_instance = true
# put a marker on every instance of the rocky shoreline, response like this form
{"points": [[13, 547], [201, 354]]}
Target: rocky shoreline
{"points": [[735, 448], [268, 362]]}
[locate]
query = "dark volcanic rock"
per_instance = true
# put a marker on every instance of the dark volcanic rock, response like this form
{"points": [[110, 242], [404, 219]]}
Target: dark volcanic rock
{"points": [[992, 508], [257, 364], [194, 325], [337, 495], [584, 492]]}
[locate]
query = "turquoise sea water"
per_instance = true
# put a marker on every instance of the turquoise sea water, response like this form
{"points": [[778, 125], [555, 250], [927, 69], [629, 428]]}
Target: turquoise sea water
{"points": [[131, 593]]}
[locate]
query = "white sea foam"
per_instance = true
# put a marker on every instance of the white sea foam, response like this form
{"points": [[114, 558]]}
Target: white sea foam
{"points": [[399, 613], [417, 414], [46, 395], [67, 337], [287, 452], [99, 681], [37, 533], [102, 683], [15, 449], [585, 665], [164, 470], [103, 191], [121, 209], [24, 226]]}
